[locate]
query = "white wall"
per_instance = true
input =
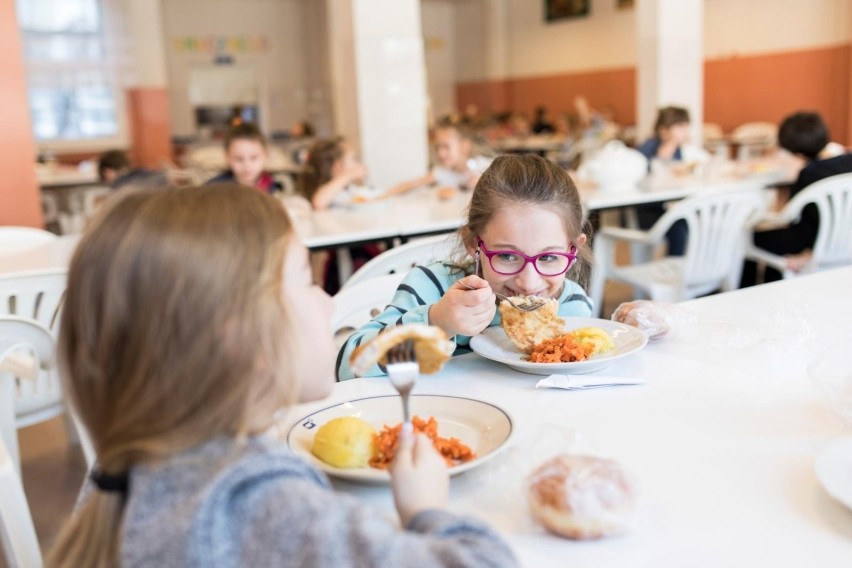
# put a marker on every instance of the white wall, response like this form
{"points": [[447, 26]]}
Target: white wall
{"points": [[438, 21], [282, 70], [606, 39]]}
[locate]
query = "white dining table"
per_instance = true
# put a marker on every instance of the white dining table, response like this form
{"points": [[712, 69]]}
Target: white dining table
{"points": [[721, 439], [62, 176]]}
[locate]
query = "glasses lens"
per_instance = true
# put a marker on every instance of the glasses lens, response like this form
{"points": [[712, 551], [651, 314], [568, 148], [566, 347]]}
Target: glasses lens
{"points": [[507, 263], [552, 264]]}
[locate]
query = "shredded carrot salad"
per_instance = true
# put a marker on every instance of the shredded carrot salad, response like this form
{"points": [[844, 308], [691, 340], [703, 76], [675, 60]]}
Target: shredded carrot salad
{"points": [[452, 449], [562, 349]]}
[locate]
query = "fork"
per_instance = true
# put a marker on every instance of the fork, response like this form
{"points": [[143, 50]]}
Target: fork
{"points": [[531, 306], [403, 371]]}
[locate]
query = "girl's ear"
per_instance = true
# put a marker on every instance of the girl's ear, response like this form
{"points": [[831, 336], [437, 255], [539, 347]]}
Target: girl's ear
{"points": [[467, 239], [580, 240]]}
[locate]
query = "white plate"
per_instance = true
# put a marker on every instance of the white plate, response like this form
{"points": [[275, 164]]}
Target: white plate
{"points": [[495, 345], [484, 427], [834, 470]]}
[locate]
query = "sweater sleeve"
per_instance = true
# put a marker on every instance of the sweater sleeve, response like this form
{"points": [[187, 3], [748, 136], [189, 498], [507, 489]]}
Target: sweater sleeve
{"points": [[300, 523], [421, 288]]}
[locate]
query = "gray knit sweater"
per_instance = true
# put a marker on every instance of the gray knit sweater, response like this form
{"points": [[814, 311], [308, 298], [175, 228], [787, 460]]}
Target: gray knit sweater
{"points": [[258, 504]]}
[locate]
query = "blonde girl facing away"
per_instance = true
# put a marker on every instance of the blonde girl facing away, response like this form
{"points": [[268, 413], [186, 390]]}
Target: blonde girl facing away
{"points": [[525, 222], [187, 317]]}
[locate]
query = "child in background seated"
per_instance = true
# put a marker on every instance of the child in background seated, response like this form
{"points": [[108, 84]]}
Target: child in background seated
{"points": [[456, 168], [180, 368], [525, 223], [245, 150], [330, 173], [114, 170]]}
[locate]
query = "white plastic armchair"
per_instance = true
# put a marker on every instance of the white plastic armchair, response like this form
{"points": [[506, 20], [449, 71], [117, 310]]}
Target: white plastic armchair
{"points": [[16, 524], [719, 224], [357, 304], [401, 259], [833, 246]]}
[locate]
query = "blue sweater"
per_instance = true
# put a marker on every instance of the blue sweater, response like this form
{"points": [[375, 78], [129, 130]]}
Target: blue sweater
{"points": [[421, 288]]}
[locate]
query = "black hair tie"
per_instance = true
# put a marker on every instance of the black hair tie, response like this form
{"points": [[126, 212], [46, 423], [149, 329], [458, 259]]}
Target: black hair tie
{"points": [[106, 482]]}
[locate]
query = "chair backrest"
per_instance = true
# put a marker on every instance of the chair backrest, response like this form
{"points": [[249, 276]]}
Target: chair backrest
{"points": [[16, 524], [403, 258], [357, 304], [833, 199], [17, 239], [23, 343], [719, 225], [35, 296]]}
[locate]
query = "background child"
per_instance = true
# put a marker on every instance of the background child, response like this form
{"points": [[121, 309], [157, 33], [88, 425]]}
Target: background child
{"points": [[803, 134], [670, 144], [456, 166], [178, 369], [116, 171], [245, 150], [330, 172], [522, 205]]}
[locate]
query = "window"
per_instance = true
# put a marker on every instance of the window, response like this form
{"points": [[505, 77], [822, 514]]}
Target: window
{"points": [[72, 90]]}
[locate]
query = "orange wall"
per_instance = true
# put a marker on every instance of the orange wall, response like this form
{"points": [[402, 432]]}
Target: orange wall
{"points": [[736, 90], [19, 193], [148, 112]]}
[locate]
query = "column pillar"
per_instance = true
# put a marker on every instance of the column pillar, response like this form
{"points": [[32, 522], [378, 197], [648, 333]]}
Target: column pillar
{"points": [[670, 69], [148, 97], [496, 54], [379, 84], [19, 192]]}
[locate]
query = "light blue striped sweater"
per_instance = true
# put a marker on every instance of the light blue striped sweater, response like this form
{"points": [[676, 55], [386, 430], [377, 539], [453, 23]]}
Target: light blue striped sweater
{"points": [[421, 288]]}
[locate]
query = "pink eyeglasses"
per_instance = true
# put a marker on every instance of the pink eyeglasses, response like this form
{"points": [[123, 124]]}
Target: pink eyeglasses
{"points": [[509, 262]]}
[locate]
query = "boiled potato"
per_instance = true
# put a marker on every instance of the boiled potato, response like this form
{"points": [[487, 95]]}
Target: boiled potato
{"points": [[595, 336], [345, 442]]}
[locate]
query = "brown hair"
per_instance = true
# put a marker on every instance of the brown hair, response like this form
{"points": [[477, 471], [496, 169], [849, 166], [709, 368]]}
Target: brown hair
{"points": [[531, 180], [174, 331], [244, 131], [321, 158], [669, 116]]}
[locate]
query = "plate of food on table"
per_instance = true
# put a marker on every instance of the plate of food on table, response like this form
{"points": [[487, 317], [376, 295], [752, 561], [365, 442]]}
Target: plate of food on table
{"points": [[541, 342]]}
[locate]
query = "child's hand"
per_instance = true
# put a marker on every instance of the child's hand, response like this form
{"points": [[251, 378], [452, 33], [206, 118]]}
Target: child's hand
{"points": [[419, 477], [357, 172], [466, 308]]}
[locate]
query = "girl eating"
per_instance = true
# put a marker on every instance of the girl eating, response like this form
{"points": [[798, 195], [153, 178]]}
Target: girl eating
{"points": [[189, 323], [525, 223]]}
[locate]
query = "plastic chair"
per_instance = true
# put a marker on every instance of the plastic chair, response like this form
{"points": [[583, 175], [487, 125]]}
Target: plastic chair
{"points": [[17, 239], [754, 138], [357, 304], [719, 224], [16, 524], [25, 347], [833, 246], [403, 258]]}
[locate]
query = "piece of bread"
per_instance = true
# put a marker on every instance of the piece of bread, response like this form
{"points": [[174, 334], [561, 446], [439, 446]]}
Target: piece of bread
{"points": [[432, 347], [528, 329], [582, 497]]}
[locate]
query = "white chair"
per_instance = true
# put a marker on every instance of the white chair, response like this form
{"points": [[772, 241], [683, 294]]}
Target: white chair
{"points": [[719, 224], [16, 524], [833, 246], [403, 258], [754, 138], [25, 348], [357, 304], [17, 239]]}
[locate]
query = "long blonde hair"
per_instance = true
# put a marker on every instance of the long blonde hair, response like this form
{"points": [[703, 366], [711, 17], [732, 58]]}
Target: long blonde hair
{"points": [[529, 179], [174, 332]]}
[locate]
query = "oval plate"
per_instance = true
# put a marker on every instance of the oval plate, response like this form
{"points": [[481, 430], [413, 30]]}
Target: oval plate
{"points": [[834, 470], [494, 344], [483, 426]]}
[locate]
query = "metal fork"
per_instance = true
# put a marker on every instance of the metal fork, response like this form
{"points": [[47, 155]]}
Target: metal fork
{"points": [[530, 306], [403, 372]]}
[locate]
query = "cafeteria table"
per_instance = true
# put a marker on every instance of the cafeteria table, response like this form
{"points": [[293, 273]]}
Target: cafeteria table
{"points": [[722, 438]]}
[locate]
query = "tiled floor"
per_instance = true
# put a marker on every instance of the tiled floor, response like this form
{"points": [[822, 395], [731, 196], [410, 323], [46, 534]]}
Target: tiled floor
{"points": [[53, 470]]}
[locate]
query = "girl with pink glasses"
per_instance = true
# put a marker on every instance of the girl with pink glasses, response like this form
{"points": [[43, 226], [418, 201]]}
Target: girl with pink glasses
{"points": [[525, 226]]}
